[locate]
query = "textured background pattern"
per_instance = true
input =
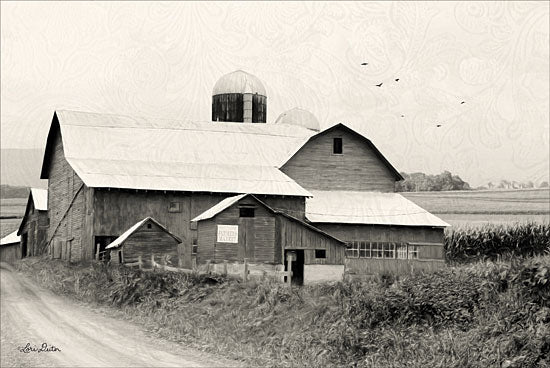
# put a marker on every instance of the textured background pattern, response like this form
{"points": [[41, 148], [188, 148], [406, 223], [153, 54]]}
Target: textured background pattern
{"points": [[163, 59]]}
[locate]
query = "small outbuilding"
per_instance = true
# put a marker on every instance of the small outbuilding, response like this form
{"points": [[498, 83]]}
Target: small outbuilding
{"points": [[10, 249], [34, 225], [243, 226], [145, 239]]}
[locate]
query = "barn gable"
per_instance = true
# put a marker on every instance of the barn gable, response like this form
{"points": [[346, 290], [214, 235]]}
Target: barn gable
{"points": [[339, 158]]}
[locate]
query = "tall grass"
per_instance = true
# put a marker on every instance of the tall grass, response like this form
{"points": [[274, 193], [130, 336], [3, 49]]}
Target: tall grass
{"points": [[491, 242], [480, 315]]}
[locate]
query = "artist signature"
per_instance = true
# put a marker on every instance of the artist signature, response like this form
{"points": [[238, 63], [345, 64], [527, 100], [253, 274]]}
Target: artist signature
{"points": [[35, 349]]}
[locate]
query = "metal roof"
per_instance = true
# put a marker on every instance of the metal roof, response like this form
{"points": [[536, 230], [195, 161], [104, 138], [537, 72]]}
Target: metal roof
{"points": [[214, 210], [239, 81], [11, 238], [121, 239], [140, 153], [40, 199], [299, 117], [367, 208]]}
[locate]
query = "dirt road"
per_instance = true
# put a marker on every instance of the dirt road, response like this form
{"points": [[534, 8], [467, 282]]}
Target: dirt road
{"points": [[85, 337]]}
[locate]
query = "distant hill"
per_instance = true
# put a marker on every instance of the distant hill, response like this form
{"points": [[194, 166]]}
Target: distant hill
{"points": [[8, 191], [21, 167]]}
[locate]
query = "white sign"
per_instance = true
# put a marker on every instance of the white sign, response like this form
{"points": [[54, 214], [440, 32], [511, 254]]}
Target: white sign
{"points": [[228, 233]]}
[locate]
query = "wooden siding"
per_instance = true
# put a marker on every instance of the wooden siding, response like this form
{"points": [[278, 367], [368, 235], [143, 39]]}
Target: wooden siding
{"points": [[315, 167], [10, 253], [256, 239], [66, 204], [293, 206], [146, 241], [35, 225], [357, 267], [293, 235]]}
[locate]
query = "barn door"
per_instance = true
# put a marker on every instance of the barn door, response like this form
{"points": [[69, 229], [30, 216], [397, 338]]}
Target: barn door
{"points": [[246, 239]]}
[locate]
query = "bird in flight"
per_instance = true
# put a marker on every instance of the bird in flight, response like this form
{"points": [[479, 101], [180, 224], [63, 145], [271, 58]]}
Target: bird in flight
{"points": [[364, 63], [397, 79], [379, 85], [463, 102], [438, 125]]}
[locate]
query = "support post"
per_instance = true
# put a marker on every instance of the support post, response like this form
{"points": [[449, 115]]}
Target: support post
{"points": [[289, 269], [153, 265], [225, 267], [245, 271], [208, 266]]}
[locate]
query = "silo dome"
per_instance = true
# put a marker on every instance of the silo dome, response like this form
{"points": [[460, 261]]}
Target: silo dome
{"points": [[239, 97], [300, 117]]}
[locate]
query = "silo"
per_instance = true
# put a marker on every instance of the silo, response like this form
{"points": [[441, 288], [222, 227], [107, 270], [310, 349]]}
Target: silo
{"points": [[239, 97]]}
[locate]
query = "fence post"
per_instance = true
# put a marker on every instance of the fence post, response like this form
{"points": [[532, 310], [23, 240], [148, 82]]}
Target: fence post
{"points": [[153, 264], [208, 266], [97, 253], [139, 261], [164, 263], [225, 267], [289, 269], [245, 271]]}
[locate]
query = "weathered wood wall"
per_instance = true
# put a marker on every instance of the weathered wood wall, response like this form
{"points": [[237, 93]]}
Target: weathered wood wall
{"points": [[146, 241], [381, 233], [256, 239], [315, 167], [10, 253], [66, 204], [293, 235], [35, 225], [358, 267]]}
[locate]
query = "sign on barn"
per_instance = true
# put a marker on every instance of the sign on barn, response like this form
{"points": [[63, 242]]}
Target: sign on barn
{"points": [[228, 233]]}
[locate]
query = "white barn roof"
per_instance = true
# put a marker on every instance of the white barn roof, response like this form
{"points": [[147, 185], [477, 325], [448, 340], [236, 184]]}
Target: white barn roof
{"points": [[11, 238], [121, 239], [219, 207], [140, 153], [40, 199], [367, 208]]}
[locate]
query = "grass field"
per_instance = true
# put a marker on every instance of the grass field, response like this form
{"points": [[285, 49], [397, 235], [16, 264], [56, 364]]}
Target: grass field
{"points": [[11, 207], [474, 208]]}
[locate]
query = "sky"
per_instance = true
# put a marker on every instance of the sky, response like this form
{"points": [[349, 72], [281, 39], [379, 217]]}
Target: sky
{"points": [[163, 59]]}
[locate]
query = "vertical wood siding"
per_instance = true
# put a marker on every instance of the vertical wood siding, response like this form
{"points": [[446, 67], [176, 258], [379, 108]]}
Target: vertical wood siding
{"points": [[155, 241], [10, 253], [315, 167], [63, 183]]}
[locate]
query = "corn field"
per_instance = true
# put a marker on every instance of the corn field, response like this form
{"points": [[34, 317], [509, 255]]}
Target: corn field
{"points": [[493, 242]]}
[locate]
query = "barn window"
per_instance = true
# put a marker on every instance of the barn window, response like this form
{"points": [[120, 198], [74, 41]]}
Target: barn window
{"points": [[364, 249], [377, 250], [194, 248], [413, 252], [389, 250], [174, 207], [337, 148], [320, 253], [148, 226], [246, 211], [352, 250]]}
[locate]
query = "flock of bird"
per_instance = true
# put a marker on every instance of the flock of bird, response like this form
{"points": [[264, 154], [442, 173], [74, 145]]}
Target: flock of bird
{"points": [[397, 80]]}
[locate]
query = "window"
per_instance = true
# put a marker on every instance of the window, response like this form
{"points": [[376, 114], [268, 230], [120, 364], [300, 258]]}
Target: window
{"points": [[320, 253], [377, 250], [148, 226], [413, 252], [352, 250], [337, 148], [364, 249], [246, 212], [389, 250], [174, 207], [194, 248]]}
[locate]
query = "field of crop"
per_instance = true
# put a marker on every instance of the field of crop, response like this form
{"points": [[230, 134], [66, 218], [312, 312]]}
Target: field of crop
{"points": [[474, 208]]}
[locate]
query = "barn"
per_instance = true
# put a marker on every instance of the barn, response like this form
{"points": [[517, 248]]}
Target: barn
{"points": [[10, 249], [34, 225], [175, 171], [245, 227]]}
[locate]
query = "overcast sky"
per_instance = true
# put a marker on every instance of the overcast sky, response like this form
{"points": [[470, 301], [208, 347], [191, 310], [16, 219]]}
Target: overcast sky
{"points": [[163, 59]]}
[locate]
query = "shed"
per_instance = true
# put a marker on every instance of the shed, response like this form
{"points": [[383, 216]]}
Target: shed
{"points": [[10, 249], [146, 238], [34, 225], [243, 226]]}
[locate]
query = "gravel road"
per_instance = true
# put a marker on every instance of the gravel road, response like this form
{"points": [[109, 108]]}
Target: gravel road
{"points": [[85, 337]]}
